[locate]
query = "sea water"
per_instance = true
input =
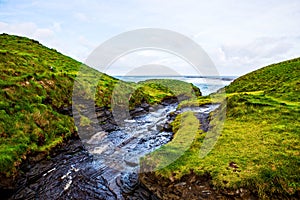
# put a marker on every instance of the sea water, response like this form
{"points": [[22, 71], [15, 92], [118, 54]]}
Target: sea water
{"points": [[206, 84]]}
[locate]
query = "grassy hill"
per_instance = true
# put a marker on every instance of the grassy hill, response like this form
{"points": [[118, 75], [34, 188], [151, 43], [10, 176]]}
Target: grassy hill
{"points": [[259, 146], [36, 95], [278, 80]]}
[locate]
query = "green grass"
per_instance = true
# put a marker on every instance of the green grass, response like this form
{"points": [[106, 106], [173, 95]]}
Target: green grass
{"points": [[177, 88], [279, 80], [32, 97], [261, 136]]}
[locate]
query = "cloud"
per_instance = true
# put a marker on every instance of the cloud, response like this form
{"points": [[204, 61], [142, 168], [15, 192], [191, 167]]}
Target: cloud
{"points": [[28, 29], [139, 60], [260, 48], [239, 36], [243, 58]]}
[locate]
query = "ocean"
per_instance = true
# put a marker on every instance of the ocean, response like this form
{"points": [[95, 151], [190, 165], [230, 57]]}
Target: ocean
{"points": [[206, 84]]}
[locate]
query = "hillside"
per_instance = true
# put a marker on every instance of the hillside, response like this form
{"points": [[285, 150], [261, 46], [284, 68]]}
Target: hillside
{"points": [[36, 98], [257, 152], [279, 80]]}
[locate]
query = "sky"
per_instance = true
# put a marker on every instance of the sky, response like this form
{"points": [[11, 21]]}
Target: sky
{"points": [[238, 36]]}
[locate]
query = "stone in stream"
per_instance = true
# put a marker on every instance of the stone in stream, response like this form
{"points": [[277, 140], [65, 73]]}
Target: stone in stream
{"points": [[129, 182], [97, 138], [137, 111]]}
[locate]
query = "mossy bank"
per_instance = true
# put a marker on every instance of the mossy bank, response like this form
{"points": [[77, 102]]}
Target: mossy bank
{"points": [[256, 154]]}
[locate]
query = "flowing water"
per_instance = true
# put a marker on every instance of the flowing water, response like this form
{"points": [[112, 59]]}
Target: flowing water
{"points": [[117, 153], [107, 167]]}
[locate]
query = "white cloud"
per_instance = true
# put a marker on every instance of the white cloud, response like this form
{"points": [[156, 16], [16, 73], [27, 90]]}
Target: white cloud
{"points": [[260, 48], [242, 58], [137, 59], [46, 36], [28, 29]]}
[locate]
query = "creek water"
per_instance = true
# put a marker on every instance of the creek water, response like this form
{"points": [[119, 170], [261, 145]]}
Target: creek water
{"points": [[107, 166], [117, 153]]}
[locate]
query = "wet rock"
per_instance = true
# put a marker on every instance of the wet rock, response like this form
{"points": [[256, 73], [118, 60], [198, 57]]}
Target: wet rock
{"points": [[169, 100], [145, 106], [132, 162], [204, 120], [95, 139], [108, 126], [151, 109], [66, 175], [129, 182], [137, 111], [167, 126]]}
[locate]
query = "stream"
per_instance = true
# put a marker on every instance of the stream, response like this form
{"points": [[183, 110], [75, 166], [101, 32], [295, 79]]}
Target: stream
{"points": [[107, 166]]}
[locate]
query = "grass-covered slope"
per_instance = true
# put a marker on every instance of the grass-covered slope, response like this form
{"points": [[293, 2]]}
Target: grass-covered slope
{"points": [[31, 98], [259, 146], [279, 80], [36, 85]]}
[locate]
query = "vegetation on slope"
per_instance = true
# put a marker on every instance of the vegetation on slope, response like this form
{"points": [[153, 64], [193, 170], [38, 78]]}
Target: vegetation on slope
{"points": [[31, 98], [180, 89], [278, 80], [259, 145], [36, 97]]}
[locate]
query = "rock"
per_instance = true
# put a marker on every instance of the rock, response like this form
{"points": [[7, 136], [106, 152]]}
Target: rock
{"points": [[44, 179], [145, 106], [131, 163], [169, 100], [129, 182], [108, 126], [167, 127], [151, 109], [137, 111], [97, 138]]}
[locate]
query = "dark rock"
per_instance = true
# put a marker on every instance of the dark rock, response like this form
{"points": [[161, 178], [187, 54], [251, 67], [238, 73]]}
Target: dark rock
{"points": [[204, 120], [131, 163], [169, 100], [145, 106], [167, 126], [109, 127], [62, 177], [151, 109], [137, 111]]}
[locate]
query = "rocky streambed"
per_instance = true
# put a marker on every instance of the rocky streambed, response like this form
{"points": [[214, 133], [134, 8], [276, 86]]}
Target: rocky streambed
{"points": [[107, 165]]}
